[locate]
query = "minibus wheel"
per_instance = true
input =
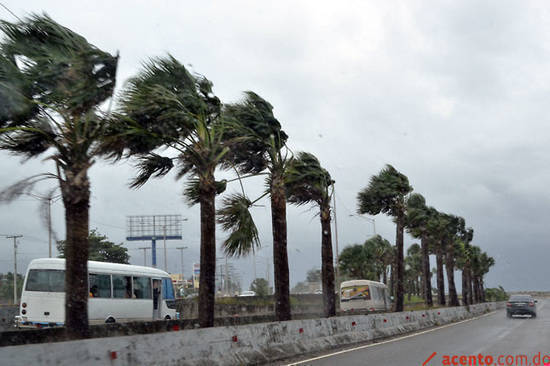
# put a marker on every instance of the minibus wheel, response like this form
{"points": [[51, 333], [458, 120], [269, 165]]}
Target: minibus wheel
{"points": [[110, 320]]}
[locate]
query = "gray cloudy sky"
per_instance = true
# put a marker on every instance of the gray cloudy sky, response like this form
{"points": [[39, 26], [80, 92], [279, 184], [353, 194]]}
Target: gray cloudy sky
{"points": [[453, 94]]}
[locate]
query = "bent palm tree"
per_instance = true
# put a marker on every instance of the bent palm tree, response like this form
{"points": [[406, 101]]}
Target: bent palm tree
{"points": [[165, 106], [417, 219], [264, 148], [435, 227], [386, 193], [307, 182], [51, 84], [453, 229]]}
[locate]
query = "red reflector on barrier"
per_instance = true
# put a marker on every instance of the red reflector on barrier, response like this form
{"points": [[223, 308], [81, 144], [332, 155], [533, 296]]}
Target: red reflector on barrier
{"points": [[407, 318], [353, 324], [385, 320], [423, 315], [438, 313], [235, 339], [175, 327], [301, 330], [113, 355]]}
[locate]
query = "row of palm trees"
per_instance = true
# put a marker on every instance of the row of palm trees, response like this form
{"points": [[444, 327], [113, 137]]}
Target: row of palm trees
{"points": [[52, 84], [442, 234]]}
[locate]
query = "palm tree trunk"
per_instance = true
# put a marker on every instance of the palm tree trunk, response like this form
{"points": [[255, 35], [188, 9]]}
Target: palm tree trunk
{"points": [[464, 287], [327, 272], [450, 267], [471, 286], [392, 278], [385, 276], [399, 298], [427, 283], [207, 278], [280, 255], [76, 199], [482, 290], [440, 278], [476, 289]]}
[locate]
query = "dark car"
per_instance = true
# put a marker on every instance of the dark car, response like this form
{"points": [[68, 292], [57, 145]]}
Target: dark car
{"points": [[521, 305]]}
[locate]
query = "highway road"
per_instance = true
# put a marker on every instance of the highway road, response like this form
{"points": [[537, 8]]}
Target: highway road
{"points": [[496, 338]]}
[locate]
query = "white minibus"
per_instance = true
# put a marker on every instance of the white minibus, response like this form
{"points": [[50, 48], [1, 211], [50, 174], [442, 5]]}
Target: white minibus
{"points": [[118, 293], [364, 295]]}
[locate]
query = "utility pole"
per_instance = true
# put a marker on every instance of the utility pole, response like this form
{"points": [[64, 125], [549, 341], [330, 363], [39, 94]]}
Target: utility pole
{"points": [[144, 255], [14, 237], [181, 249]]}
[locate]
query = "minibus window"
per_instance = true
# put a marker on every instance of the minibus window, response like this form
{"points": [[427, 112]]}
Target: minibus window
{"points": [[46, 280], [167, 289], [100, 285], [122, 287], [142, 287]]}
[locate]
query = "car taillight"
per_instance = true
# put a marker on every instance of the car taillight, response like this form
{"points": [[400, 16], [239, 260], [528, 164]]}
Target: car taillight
{"points": [[531, 304], [24, 304], [508, 304]]}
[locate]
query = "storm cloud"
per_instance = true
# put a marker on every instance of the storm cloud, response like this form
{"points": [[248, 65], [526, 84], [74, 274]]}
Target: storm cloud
{"points": [[453, 94]]}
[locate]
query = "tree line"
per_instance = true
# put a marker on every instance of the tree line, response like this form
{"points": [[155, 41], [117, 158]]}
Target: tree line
{"points": [[167, 118], [441, 234]]}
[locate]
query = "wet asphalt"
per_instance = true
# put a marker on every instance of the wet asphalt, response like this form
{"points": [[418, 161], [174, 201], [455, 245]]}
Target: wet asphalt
{"points": [[491, 335]]}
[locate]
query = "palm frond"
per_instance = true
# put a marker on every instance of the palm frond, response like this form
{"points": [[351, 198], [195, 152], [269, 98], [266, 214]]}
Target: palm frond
{"points": [[306, 181], [23, 187], [384, 193], [235, 217], [65, 69], [265, 136], [192, 190], [151, 165]]}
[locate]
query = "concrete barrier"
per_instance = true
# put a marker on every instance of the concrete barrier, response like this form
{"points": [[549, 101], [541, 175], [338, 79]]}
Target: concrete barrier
{"points": [[236, 345], [7, 315]]}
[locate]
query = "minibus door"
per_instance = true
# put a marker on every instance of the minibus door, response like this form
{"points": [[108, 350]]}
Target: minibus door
{"points": [[157, 293]]}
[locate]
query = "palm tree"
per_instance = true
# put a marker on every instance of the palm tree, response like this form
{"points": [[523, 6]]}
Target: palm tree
{"points": [[307, 182], [463, 262], [264, 149], [481, 264], [455, 227], [381, 254], [417, 219], [435, 229], [413, 269], [355, 262], [165, 106], [386, 193], [51, 84]]}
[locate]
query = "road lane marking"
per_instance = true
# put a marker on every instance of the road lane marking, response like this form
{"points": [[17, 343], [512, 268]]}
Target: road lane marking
{"points": [[389, 340]]}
